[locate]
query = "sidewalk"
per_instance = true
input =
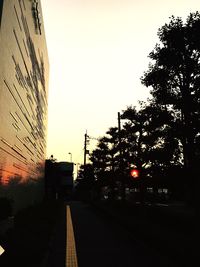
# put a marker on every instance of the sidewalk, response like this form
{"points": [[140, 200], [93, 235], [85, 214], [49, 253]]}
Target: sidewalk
{"points": [[56, 254], [26, 244]]}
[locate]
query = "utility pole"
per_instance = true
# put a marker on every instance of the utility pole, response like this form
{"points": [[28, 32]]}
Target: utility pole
{"points": [[121, 160], [86, 151], [85, 148], [119, 134], [86, 142]]}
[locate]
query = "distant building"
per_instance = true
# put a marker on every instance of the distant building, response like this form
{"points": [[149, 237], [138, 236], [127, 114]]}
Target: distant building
{"points": [[59, 180], [24, 70]]}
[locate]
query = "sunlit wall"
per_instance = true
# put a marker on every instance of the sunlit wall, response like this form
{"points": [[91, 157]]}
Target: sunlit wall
{"points": [[23, 93]]}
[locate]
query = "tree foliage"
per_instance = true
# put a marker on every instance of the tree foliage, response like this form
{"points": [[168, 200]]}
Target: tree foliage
{"points": [[162, 135], [174, 76]]}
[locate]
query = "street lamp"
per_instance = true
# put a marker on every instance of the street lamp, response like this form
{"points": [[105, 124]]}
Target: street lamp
{"points": [[70, 155]]}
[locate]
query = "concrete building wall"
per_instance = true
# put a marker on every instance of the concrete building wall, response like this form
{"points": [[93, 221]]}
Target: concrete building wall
{"points": [[24, 70]]}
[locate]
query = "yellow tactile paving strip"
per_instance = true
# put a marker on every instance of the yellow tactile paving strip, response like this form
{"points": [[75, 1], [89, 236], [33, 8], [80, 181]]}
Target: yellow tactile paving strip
{"points": [[71, 256]]}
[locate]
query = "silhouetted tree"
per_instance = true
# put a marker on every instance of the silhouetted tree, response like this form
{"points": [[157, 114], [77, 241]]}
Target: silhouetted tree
{"points": [[174, 77], [112, 141], [105, 160], [100, 158], [148, 133], [151, 147]]}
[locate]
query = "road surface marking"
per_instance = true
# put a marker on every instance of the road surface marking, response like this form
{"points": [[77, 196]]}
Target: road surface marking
{"points": [[71, 256]]}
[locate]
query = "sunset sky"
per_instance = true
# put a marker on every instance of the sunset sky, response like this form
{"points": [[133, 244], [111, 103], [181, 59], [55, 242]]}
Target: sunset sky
{"points": [[98, 50]]}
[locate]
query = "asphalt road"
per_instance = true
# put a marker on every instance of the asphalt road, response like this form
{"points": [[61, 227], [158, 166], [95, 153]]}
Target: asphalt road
{"points": [[100, 242], [101, 239]]}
